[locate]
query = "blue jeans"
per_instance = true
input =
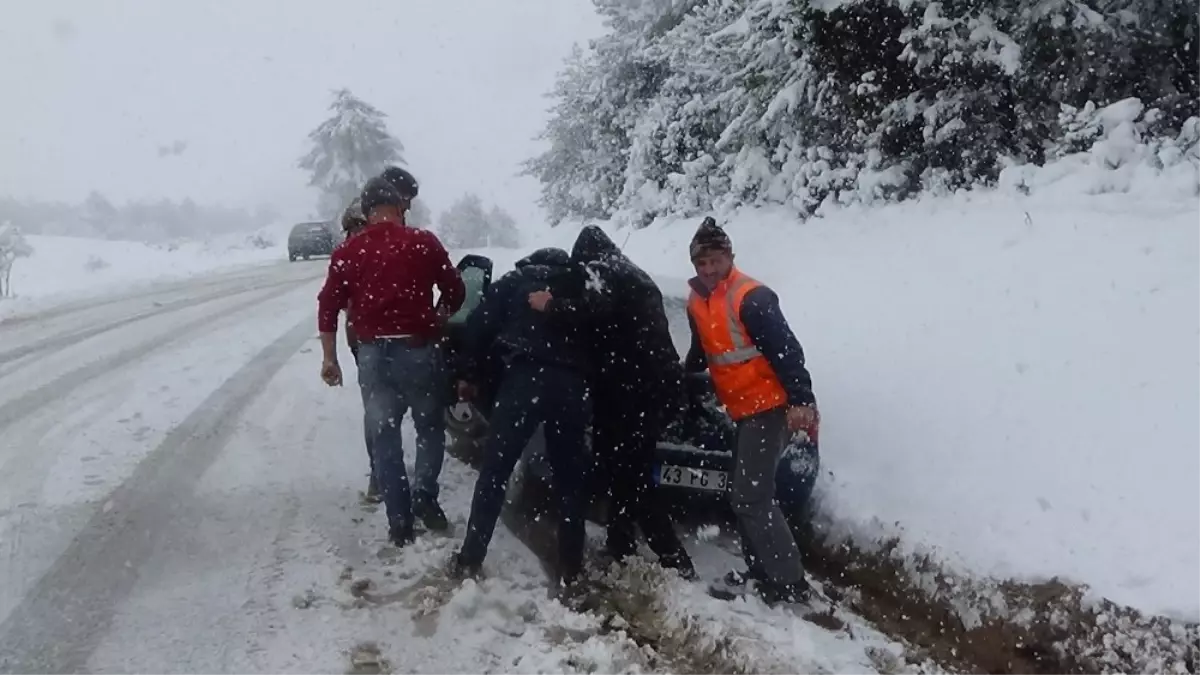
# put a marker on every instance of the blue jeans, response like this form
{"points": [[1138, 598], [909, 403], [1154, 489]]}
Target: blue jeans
{"points": [[366, 427], [530, 395], [394, 378]]}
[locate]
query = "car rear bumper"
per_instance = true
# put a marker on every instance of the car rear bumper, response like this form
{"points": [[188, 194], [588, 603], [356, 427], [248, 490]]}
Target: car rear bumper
{"points": [[685, 474], [691, 474], [311, 247]]}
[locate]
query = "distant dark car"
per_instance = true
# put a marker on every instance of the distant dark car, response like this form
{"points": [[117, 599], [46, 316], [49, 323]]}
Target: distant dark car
{"points": [[694, 459], [309, 239]]}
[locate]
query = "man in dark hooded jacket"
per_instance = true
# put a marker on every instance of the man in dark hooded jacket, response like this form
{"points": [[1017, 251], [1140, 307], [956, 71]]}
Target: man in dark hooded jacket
{"points": [[545, 381], [637, 384]]}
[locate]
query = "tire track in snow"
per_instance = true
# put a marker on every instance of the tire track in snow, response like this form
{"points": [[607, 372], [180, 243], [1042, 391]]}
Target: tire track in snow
{"points": [[166, 288], [65, 614], [70, 337], [19, 408], [35, 445]]}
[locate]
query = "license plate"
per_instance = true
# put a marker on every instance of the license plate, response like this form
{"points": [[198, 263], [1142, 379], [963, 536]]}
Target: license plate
{"points": [[697, 479]]}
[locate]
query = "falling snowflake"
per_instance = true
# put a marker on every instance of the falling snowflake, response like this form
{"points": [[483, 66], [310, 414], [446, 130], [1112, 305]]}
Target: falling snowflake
{"points": [[594, 282]]}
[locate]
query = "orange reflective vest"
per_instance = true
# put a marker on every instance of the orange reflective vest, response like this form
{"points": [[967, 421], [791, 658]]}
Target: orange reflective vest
{"points": [[743, 378]]}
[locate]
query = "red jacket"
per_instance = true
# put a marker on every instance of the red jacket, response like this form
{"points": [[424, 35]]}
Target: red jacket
{"points": [[389, 272]]}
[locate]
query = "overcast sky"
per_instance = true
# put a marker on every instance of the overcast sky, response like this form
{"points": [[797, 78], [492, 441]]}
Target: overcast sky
{"points": [[103, 94]]}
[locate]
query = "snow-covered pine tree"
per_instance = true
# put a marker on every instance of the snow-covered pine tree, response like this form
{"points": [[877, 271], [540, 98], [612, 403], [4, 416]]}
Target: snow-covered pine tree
{"points": [[781, 143], [581, 170], [1149, 49], [13, 245], [672, 164], [502, 229], [1079, 129], [963, 67], [601, 96], [464, 224], [99, 215], [347, 149], [419, 215], [709, 104]]}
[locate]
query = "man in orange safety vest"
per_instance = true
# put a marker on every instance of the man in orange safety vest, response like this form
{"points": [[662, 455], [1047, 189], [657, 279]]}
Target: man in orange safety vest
{"points": [[757, 366]]}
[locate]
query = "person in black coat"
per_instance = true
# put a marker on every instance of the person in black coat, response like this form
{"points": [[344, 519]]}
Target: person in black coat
{"points": [[637, 386], [546, 367]]}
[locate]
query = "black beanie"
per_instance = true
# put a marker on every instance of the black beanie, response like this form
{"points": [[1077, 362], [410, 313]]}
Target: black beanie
{"points": [[379, 192], [710, 237], [352, 217]]}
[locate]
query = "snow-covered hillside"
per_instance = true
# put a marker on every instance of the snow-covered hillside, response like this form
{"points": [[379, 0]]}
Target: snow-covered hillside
{"points": [[1007, 382], [62, 267]]}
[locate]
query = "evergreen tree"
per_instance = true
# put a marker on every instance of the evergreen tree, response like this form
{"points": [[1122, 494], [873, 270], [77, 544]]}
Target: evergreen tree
{"points": [[99, 215], [687, 106], [582, 170], [467, 224], [464, 224], [502, 229], [347, 149], [13, 245], [419, 215], [601, 97]]}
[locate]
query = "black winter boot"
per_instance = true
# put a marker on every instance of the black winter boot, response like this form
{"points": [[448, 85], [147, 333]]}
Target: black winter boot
{"points": [[680, 562], [431, 514], [372, 495], [775, 593], [402, 536], [459, 569]]}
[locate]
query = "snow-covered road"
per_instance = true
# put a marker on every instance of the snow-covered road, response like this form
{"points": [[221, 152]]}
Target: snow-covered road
{"points": [[179, 493], [111, 412]]}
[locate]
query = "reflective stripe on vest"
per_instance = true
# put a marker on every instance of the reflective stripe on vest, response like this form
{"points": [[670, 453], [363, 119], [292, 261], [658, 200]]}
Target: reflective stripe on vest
{"points": [[743, 349]]}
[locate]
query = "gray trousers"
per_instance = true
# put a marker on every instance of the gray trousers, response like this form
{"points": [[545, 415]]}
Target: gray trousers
{"points": [[767, 543]]}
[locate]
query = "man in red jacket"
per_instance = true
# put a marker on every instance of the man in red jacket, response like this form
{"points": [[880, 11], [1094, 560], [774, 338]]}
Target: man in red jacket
{"points": [[388, 274]]}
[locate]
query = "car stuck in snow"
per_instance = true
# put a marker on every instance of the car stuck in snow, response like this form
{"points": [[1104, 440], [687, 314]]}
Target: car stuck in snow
{"points": [[694, 458]]}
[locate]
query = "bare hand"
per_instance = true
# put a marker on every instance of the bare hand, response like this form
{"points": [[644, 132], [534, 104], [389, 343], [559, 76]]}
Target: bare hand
{"points": [[466, 390], [331, 373], [802, 418], [539, 299]]}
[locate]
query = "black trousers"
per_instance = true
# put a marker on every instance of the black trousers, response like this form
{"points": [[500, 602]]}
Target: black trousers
{"points": [[625, 432], [557, 398]]}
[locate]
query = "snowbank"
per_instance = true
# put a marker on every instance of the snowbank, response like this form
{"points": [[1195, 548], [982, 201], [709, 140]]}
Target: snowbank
{"points": [[69, 266], [1007, 383]]}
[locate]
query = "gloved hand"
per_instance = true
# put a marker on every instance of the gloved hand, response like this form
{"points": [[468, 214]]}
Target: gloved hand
{"points": [[804, 418]]}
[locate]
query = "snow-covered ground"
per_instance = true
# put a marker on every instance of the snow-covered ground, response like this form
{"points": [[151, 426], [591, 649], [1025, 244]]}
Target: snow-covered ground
{"points": [[179, 492], [1007, 382], [72, 267]]}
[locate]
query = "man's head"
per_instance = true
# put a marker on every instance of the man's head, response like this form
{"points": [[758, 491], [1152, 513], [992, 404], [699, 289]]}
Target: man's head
{"points": [[382, 202], [404, 182], [712, 253], [353, 220], [593, 245]]}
